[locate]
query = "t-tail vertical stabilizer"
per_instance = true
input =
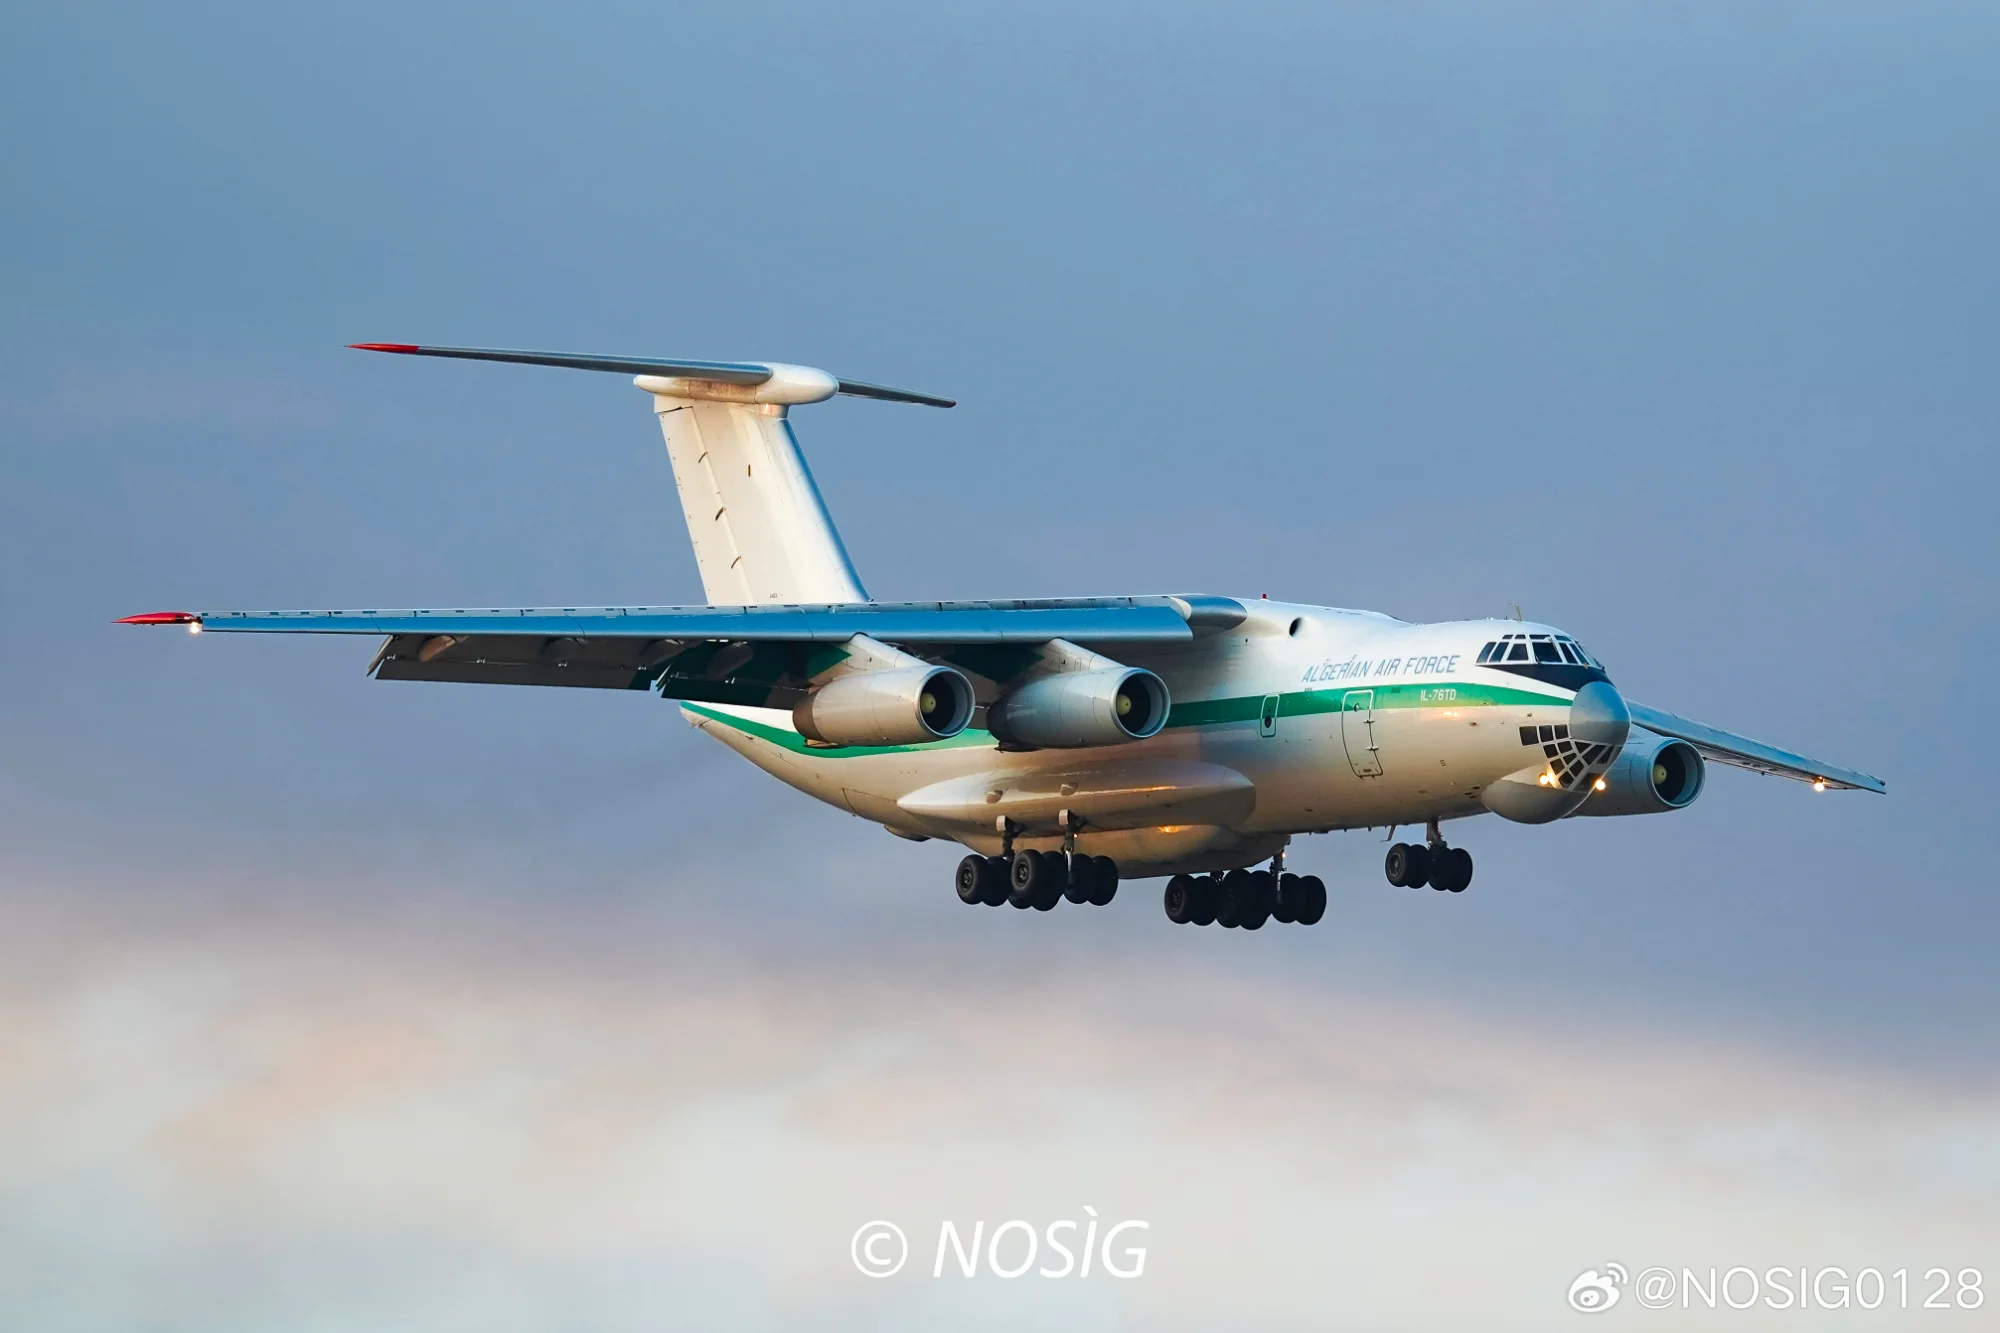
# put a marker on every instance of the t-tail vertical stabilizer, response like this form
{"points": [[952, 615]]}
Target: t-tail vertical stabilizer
{"points": [[760, 529]]}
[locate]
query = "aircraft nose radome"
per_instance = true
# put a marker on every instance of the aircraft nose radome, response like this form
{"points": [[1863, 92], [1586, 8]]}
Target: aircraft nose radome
{"points": [[1598, 716]]}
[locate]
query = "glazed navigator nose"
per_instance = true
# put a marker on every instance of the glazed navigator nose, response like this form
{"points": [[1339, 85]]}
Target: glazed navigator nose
{"points": [[1598, 716]]}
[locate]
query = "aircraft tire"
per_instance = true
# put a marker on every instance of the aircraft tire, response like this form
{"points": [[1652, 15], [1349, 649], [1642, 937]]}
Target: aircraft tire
{"points": [[1286, 908], [1235, 900], [1312, 900], [1262, 891], [1451, 869], [1105, 886], [1408, 865], [1080, 876], [1024, 879], [970, 880], [997, 870], [1206, 890], [1055, 875], [1180, 899]]}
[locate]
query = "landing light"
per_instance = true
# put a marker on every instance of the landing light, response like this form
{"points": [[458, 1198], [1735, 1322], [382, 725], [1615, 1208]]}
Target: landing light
{"points": [[194, 627], [1599, 784], [1819, 784]]}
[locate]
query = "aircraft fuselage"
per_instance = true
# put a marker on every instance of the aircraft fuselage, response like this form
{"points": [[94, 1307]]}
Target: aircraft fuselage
{"points": [[1299, 719]]}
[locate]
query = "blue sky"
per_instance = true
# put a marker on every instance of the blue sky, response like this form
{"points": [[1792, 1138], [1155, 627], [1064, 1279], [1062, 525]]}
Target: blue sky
{"points": [[330, 1002]]}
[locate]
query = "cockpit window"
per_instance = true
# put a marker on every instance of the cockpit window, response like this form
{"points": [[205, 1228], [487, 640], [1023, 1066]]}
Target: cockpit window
{"points": [[1554, 650]]}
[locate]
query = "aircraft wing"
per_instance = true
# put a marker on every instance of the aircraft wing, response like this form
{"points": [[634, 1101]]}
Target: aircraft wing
{"points": [[762, 656], [1741, 752]]}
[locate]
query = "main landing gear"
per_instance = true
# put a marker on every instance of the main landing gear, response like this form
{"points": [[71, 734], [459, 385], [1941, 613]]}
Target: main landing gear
{"points": [[1246, 899], [1411, 865], [1037, 879]]}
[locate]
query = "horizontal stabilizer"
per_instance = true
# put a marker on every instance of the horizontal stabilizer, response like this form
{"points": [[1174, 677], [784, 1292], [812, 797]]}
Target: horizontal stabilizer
{"points": [[1726, 747], [749, 374]]}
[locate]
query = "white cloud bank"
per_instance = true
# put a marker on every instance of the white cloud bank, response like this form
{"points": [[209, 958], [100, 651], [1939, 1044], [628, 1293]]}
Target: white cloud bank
{"points": [[239, 1112]]}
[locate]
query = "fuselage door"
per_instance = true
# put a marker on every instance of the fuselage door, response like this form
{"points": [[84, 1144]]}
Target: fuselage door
{"points": [[1267, 716], [1357, 730]]}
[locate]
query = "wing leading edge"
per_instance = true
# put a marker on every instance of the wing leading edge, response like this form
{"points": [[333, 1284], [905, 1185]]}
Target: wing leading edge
{"points": [[761, 656], [1726, 747], [1093, 619]]}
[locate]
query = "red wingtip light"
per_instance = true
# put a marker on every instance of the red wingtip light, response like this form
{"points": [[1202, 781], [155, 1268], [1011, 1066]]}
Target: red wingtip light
{"points": [[162, 618], [385, 347]]}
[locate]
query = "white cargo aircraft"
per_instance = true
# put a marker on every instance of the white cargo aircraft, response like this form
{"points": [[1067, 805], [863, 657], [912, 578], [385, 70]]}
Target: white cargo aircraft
{"points": [[1066, 742]]}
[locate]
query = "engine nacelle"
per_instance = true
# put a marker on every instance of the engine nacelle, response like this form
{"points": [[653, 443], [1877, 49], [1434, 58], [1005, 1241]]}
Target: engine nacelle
{"points": [[1073, 709], [900, 706], [1653, 775]]}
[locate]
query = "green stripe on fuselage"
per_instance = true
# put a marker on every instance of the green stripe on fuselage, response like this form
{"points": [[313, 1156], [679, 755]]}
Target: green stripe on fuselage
{"points": [[791, 740], [1302, 703], [1195, 713]]}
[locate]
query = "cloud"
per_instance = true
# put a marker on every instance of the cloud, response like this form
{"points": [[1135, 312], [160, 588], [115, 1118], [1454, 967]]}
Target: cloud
{"points": [[231, 1109]]}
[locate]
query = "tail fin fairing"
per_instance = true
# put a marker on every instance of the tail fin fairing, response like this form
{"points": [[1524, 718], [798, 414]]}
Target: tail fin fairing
{"points": [[761, 532]]}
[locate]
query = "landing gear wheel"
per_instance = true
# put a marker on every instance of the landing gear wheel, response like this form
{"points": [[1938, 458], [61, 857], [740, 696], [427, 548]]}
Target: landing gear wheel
{"points": [[1207, 892], [1312, 900], [1286, 908], [1055, 872], [1236, 900], [1180, 899], [1105, 886], [1408, 865], [970, 880], [1263, 893], [1451, 869], [1025, 879], [1082, 876], [998, 868]]}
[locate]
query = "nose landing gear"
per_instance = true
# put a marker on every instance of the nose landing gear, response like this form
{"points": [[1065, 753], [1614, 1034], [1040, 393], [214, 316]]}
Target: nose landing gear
{"points": [[1412, 865]]}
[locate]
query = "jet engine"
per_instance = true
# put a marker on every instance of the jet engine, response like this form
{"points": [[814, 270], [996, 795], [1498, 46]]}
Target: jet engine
{"points": [[1073, 709], [1654, 774], [900, 706]]}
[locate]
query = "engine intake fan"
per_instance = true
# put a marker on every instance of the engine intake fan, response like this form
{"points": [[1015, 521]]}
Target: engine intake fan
{"points": [[901, 706], [1101, 704]]}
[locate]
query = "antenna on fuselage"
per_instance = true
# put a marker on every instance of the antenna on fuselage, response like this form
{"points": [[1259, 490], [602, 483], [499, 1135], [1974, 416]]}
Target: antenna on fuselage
{"points": [[1517, 611]]}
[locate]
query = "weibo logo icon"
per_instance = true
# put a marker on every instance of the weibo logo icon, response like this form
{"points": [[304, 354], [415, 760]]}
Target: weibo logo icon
{"points": [[1594, 1292]]}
